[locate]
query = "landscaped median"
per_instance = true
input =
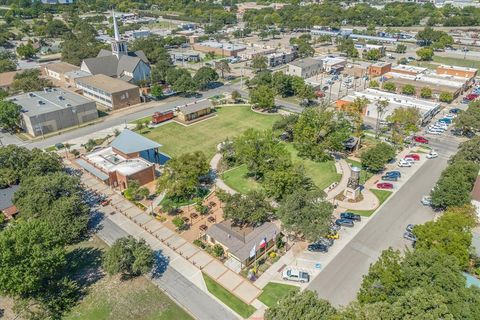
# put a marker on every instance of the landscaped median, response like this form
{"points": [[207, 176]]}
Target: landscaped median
{"points": [[234, 303], [381, 195]]}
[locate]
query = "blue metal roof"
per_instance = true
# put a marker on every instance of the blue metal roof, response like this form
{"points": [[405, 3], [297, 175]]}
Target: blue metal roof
{"points": [[130, 142]]}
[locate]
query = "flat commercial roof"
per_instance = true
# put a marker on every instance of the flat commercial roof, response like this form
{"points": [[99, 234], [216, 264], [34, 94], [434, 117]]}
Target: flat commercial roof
{"points": [[444, 66], [419, 83], [307, 62], [61, 67], [106, 83], [41, 102], [107, 160], [223, 45], [404, 67]]}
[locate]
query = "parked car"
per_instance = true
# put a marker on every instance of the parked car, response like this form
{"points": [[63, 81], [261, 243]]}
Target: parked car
{"points": [[455, 110], [420, 139], [325, 241], [409, 228], [344, 222], [426, 200], [334, 234], [445, 120], [432, 155], [295, 275], [394, 174], [105, 202], [413, 156], [317, 247], [389, 178], [384, 185], [350, 216], [409, 236], [409, 160], [404, 163]]}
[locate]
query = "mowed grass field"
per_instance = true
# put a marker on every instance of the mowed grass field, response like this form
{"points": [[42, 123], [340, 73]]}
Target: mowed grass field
{"points": [[112, 299], [206, 135], [322, 174]]}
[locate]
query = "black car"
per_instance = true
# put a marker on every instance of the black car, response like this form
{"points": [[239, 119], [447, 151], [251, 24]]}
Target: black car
{"points": [[317, 247], [344, 222], [389, 178], [350, 216], [325, 241]]}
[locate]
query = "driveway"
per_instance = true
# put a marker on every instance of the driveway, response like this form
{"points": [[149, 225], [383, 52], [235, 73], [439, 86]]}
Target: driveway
{"points": [[340, 280]]}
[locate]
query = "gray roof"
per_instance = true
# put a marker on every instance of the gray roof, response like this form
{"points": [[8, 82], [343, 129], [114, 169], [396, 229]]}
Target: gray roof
{"points": [[240, 242], [307, 62], [130, 142], [96, 172], [106, 65], [127, 63], [41, 102], [194, 107], [6, 196]]}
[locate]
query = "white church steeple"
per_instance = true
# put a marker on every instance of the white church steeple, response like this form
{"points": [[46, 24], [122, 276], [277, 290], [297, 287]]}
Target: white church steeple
{"points": [[119, 47]]}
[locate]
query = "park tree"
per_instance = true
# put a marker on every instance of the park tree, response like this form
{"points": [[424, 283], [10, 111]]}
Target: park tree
{"points": [[9, 115], [262, 97], [134, 192], [26, 51], [446, 97], [408, 89], [390, 86], [425, 54], [236, 96], [29, 80], [282, 84], [129, 257], [204, 76], [156, 91], [183, 175], [160, 70], [317, 131], [426, 93], [184, 84], [223, 67], [450, 234], [468, 151], [469, 120], [401, 48], [381, 107], [249, 209], [307, 93], [373, 84], [284, 181], [455, 184], [301, 305], [372, 55], [306, 214], [259, 63], [7, 64], [375, 158], [356, 110], [261, 152], [405, 120]]}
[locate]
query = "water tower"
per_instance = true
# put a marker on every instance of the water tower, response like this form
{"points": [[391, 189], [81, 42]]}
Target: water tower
{"points": [[353, 187]]}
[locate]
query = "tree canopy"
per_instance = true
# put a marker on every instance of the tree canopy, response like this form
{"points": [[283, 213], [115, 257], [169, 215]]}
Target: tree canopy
{"points": [[9, 115], [249, 209], [375, 158]]}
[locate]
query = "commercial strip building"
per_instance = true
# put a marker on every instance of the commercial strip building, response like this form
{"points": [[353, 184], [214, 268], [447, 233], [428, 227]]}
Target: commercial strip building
{"points": [[243, 244], [427, 109], [379, 68], [408, 70], [219, 48], [463, 72], [52, 110], [305, 68], [130, 157], [111, 92]]}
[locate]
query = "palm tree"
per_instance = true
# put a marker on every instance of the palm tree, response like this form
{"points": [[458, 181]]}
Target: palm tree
{"points": [[381, 105], [223, 67], [356, 109]]}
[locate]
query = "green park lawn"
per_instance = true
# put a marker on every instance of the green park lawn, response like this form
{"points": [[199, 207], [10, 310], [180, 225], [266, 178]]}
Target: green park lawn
{"points": [[110, 298], [228, 298], [323, 174], [206, 135], [237, 179], [273, 292], [382, 195], [457, 62]]}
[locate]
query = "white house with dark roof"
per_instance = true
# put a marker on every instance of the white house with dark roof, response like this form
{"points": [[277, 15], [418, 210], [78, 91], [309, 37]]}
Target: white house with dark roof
{"points": [[119, 62]]}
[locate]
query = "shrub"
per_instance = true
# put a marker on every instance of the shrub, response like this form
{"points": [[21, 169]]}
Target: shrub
{"points": [[178, 222], [218, 250]]}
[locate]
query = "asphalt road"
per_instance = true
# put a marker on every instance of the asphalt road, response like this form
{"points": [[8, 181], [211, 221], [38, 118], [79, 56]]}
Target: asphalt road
{"points": [[200, 305], [340, 281]]}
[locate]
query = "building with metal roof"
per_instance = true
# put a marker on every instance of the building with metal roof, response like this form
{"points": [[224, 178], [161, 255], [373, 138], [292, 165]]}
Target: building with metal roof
{"points": [[53, 109]]}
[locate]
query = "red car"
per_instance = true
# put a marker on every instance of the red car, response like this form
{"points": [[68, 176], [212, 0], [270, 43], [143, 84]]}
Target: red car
{"points": [[420, 139], [384, 185], [413, 156], [471, 96]]}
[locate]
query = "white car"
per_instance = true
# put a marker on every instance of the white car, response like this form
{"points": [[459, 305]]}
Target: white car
{"points": [[435, 132], [411, 160], [432, 155], [295, 275], [426, 200], [404, 163], [451, 116]]}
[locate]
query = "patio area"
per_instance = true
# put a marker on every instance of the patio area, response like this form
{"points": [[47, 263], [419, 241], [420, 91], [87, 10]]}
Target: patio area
{"points": [[196, 223]]}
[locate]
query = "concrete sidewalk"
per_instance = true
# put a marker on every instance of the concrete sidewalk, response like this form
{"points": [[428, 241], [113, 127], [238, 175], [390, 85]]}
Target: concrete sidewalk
{"points": [[218, 181]]}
